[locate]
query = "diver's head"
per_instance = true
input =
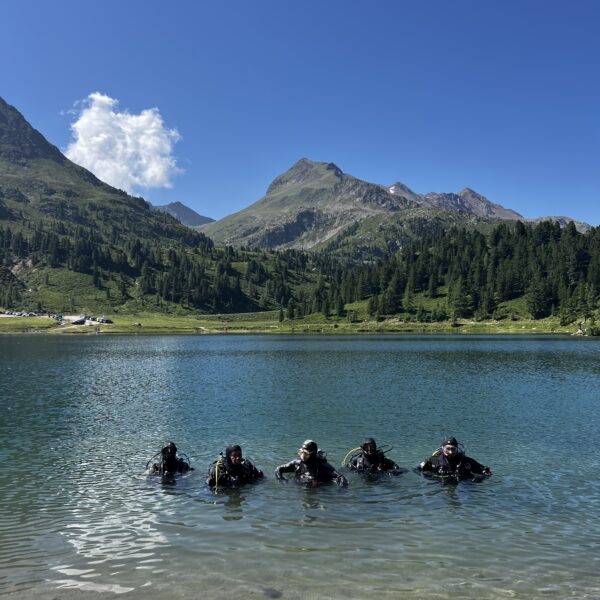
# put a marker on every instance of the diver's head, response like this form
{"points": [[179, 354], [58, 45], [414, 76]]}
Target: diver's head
{"points": [[450, 447], [169, 451], [308, 451], [233, 454], [369, 447]]}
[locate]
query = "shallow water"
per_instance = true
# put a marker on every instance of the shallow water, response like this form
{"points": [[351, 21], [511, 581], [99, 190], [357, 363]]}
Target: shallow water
{"points": [[81, 416]]}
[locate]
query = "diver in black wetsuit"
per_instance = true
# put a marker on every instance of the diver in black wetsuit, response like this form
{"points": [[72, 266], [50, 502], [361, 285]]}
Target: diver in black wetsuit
{"points": [[232, 470], [451, 461], [311, 467], [170, 463], [370, 459]]}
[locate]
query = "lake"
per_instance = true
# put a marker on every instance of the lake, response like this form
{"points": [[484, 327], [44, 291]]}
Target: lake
{"points": [[82, 415]]}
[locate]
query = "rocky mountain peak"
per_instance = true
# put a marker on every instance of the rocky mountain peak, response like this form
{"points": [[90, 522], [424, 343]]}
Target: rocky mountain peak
{"points": [[19, 140], [469, 192], [481, 206], [304, 171], [399, 189], [184, 214]]}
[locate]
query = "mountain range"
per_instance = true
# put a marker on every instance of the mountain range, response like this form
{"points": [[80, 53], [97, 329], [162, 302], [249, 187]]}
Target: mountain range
{"points": [[312, 206], [315, 205], [69, 242]]}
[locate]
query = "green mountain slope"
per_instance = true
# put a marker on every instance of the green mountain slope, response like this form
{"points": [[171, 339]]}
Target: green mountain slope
{"points": [[38, 183], [379, 235]]}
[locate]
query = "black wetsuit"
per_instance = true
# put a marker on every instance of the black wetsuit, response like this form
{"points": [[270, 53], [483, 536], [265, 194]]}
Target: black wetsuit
{"points": [[370, 463], [170, 467], [224, 473], [313, 471], [461, 466]]}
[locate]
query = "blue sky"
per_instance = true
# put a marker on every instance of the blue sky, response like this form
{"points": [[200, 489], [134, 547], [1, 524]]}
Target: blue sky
{"points": [[502, 97]]}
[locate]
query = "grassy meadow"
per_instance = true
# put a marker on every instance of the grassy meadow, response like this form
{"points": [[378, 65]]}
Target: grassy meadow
{"points": [[356, 320]]}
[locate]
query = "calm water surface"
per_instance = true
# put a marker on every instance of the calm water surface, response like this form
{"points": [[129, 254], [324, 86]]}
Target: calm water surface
{"points": [[81, 416]]}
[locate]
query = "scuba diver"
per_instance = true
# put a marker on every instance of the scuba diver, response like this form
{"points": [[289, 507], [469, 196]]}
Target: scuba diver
{"points": [[311, 467], [370, 459], [232, 470], [170, 463], [450, 460]]}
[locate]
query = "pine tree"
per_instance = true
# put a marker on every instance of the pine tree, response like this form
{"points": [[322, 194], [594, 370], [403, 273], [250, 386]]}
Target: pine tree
{"points": [[537, 299]]}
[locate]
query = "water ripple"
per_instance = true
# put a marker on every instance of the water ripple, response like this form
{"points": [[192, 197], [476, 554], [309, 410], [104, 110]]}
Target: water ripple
{"points": [[82, 518]]}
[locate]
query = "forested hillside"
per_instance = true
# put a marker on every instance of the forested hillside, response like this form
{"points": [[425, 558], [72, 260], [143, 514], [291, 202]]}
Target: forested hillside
{"points": [[541, 269], [449, 275]]}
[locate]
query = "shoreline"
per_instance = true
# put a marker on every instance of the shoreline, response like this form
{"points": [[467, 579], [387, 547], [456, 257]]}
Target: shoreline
{"points": [[253, 324]]}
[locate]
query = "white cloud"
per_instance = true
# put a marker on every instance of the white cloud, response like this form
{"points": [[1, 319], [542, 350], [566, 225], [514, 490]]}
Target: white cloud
{"points": [[128, 151]]}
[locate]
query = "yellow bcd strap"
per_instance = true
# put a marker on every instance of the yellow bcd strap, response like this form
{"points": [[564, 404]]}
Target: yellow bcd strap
{"points": [[349, 453]]}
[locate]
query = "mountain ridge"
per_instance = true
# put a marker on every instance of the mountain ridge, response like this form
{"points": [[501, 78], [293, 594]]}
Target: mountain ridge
{"points": [[314, 203], [319, 195]]}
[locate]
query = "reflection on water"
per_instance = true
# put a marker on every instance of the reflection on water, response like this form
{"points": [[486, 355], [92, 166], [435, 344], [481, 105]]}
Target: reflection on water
{"points": [[80, 418]]}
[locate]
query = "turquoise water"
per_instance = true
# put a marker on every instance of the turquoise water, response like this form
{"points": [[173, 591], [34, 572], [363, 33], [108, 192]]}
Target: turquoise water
{"points": [[81, 416]]}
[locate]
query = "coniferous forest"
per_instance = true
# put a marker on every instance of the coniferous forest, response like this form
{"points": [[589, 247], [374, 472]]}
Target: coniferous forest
{"points": [[555, 271], [188, 272], [446, 276]]}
